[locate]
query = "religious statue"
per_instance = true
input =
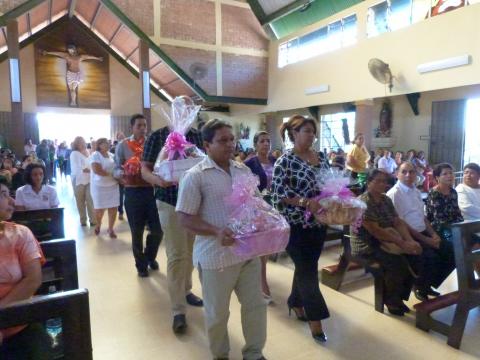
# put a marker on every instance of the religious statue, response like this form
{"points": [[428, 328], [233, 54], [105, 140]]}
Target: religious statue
{"points": [[73, 75], [385, 120]]}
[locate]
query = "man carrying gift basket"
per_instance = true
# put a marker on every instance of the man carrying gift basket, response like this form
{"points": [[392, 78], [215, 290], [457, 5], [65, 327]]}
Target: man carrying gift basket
{"points": [[203, 209], [139, 199], [178, 242]]}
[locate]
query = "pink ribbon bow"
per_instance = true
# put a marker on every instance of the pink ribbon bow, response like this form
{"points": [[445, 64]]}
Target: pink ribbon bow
{"points": [[176, 143]]}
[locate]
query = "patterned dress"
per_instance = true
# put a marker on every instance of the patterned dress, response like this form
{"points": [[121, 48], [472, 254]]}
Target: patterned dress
{"points": [[443, 209]]}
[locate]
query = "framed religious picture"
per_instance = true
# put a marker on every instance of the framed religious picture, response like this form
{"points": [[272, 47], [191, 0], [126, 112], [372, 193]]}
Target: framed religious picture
{"points": [[71, 70]]}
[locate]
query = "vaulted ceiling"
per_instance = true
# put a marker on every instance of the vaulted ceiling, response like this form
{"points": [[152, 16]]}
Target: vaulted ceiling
{"points": [[120, 35], [287, 16]]}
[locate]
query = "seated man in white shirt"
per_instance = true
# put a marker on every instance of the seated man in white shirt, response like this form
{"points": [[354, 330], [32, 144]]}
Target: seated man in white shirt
{"points": [[387, 163], [203, 211], [437, 260], [469, 197], [36, 194]]}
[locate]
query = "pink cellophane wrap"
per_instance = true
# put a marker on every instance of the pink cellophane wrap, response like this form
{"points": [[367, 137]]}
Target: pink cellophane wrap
{"points": [[259, 228], [339, 204], [177, 149]]}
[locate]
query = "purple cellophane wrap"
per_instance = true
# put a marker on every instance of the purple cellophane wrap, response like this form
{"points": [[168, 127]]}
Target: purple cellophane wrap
{"points": [[339, 204], [182, 115], [259, 228]]}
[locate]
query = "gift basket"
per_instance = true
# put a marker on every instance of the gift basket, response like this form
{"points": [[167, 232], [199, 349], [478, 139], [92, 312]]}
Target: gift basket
{"points": [[259, 228], [339, 206], [178, 155]]}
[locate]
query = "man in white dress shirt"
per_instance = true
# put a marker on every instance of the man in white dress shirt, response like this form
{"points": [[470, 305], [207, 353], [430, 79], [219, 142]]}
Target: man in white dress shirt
{"points": [[437, 261], [203, 211], [386, 163]]}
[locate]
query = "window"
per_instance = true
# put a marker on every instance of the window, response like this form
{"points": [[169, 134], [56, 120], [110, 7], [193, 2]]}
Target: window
{"points": [[334, 129], [328, 38], [377, 19], [400, 14], [287, 143]]}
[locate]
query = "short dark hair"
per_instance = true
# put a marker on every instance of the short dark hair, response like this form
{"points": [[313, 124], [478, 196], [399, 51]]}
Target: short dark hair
{"points": [[256, 137], [472, 166], [28, 173], [135, 117], [211, 127], [373, 174], [437, 170]]}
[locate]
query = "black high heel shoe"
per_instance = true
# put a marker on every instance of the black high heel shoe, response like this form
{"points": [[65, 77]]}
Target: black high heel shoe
{"points": [[320, 337], [299, 316]]}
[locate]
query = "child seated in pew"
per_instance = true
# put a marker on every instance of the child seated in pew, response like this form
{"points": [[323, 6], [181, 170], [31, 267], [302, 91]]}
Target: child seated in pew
{"points": [[20, 276], [36, 194]]}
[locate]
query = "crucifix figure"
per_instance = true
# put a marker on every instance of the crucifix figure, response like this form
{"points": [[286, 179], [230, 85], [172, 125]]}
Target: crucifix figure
{"points": [[73, 76]]}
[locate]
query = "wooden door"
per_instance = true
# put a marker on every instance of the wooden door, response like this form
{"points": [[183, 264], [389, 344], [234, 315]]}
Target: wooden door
{"points": [[447, 133]]}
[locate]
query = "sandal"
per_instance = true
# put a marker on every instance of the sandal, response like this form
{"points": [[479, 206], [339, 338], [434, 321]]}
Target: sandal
{"points": [[97, 230], [112, 234]]}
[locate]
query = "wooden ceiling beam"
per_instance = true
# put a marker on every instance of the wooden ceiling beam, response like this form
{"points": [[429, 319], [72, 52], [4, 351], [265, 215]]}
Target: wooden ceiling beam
{"points": [[50, 10], [131, 53], [155, 65], [95, 15], [29, 24], [115, 34], [71, 8]]}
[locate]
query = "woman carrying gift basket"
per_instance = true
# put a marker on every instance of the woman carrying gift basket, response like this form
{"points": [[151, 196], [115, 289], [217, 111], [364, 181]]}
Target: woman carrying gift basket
{"points": [[262, 166], [294, 187]]}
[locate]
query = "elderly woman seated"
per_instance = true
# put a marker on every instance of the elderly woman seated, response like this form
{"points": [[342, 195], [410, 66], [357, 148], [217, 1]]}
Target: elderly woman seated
{"points": [[469, 197], [384, 238], [20, 277]]}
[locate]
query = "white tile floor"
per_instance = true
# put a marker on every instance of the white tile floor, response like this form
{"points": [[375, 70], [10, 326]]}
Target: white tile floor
{"points": [[131, 318]]}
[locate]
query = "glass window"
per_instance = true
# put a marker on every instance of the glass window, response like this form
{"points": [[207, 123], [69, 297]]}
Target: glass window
{"points": [[377, 19], [336, 131], [400, 14], [312, 44], [335, 35], [349, 30]]}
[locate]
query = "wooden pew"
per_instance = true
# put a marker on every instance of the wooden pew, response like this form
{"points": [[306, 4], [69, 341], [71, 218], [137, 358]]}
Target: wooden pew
{"points": [[333, 275], [71, 306], [60, 269], [468, 295], [45, 224]]}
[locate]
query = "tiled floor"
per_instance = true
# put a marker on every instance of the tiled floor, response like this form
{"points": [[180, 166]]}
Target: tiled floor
{"points": [[131, 317]]}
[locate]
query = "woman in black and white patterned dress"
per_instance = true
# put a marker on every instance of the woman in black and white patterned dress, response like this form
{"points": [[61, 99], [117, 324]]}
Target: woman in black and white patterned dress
{"points": [[293, 187]]}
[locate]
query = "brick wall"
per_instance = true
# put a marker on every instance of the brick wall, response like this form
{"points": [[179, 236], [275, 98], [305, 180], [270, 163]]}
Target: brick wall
{"points": [[185, 57], [240, 28], [7, 5], [139, 11], [190, 20], [245, 76]]}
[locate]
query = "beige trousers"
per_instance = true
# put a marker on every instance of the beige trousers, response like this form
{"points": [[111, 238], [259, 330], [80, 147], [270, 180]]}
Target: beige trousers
{"points": [[84, 201], [179, 246], [217, 288]]}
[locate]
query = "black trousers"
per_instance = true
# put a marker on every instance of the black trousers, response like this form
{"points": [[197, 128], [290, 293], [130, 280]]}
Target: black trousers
{"points": [[436, 264], [305, 247], [122, 196], [142, 210], [32, 343], [398, 279]]}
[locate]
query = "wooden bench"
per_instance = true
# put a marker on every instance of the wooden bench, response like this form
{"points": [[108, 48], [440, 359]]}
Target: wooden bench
{"points": [[45, 224], [468, 295], [60, 269], [71, 306], [333, 275]]}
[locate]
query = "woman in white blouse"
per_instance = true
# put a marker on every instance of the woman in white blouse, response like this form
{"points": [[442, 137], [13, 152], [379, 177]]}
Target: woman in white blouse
{"points": [[80, 165], [469, 192], [36, 194], [103, 187]]}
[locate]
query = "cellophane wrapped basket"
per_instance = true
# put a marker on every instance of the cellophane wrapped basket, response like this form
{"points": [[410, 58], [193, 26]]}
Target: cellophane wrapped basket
{"points": [[259, 228], [178, 155], [339, 206]]}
